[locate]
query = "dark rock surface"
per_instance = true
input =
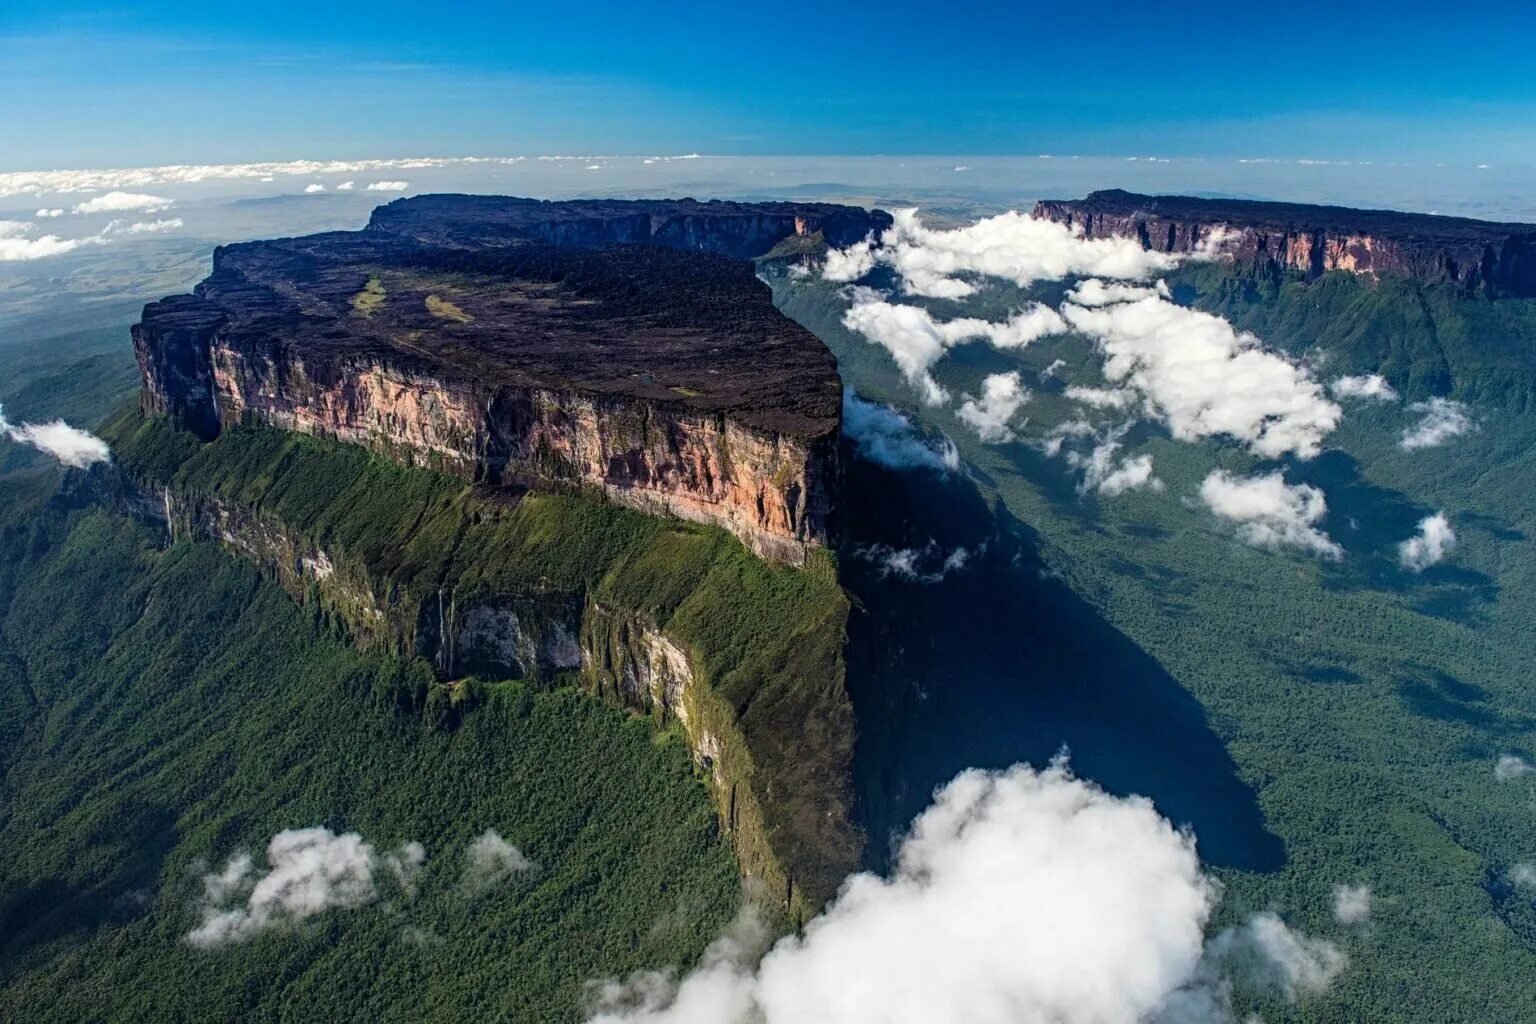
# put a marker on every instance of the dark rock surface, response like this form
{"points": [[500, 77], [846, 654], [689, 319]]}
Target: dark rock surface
{"points": [[1479, 256], [512, 340]]}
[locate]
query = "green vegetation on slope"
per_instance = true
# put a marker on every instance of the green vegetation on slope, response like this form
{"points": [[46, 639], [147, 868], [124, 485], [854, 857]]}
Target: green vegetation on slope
{"points": [[163, 710], [1364, 706], [765, 640], [1428, 339]]}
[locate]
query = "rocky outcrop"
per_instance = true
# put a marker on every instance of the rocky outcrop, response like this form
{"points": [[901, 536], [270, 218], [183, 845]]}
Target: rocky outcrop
{"points": [[1477, 256], [484, 337], [743, 230]]}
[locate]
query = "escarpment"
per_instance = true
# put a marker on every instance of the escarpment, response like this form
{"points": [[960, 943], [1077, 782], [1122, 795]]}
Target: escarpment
{"points": [[521, 343], [1479, 257], [668, 618]]}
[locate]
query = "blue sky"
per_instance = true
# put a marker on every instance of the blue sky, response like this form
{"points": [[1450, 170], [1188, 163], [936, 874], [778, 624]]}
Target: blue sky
{"points": [[91, 85]]}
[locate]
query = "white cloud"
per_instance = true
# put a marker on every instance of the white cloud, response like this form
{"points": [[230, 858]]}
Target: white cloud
{"points": [[311, 870], [1102, 473], [1093, 292], [1269, 512], [70, 445], [313, 187], [123, 202], [1510, 767], [16, 246], [491, 860], [1102, 398], [850, 264], [1434, 541], [46, 214], [1010, 246], [143, 227], [916, 341], [1523, 875], [1205, 378], [927, 564], [1050, 371], [346, 186], [1058, 435], [1351, 904], [887, 437], [388, 186], [1018, 896], [1372, 386], [1442, 420], [1001, 397]]}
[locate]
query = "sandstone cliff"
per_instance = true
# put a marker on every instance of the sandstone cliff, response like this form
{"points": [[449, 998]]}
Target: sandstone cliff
{"points": [[1477, 256], [452, 333]]}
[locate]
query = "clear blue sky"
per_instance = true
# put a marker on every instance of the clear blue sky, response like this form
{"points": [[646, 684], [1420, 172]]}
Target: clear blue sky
{"points": [[132, 83]]}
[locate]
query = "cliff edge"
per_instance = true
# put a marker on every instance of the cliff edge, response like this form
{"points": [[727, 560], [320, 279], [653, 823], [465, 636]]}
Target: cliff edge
{"points": [[517, 342], [1479, 257]]}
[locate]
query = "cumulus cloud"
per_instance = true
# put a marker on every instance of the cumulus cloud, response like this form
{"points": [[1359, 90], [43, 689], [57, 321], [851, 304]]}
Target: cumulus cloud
{"points": [[310, 871], [123, 202], [1010, 246], [1001, 397], [885, 436], [1093, 292], [927, 564], [46, 214], [346, 186], [1102, 398], [142, 227], [491, 860], [1108, 475], [1434, 541], [1270, 513], [916, 341], [1019, 895], [388, 186], [1370, 386], [1441, 419], [70, 445], [1205, 378], [313, 187], [15, 245], [1351, 904], [1510, 767]]}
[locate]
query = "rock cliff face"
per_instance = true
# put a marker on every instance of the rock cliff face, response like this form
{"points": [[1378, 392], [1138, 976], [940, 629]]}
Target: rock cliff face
{"points": [[743, 230], [1477, 256], [511, 342]]}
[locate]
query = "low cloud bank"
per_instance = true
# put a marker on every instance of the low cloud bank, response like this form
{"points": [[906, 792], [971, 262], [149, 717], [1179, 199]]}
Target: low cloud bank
{"points": [[916, 341], [1441, 419], [1011, 246], [69, 445], [123, 202], [1370, 386], [885, 436], [310, 871], [491, 860], [1351, 904], [1002, 396], [927, 564], [1269, 512], [15, 245], [388, 186], [1430, 546], [1204, 378], [1019, 895]]}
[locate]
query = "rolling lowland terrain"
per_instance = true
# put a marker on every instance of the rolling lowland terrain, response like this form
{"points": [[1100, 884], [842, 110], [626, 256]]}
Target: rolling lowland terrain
{"points": [[240, 628]]}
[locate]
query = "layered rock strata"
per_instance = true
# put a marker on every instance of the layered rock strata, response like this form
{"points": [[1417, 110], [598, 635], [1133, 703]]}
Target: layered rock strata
{"points": [[514, 342], [1477, 256]]}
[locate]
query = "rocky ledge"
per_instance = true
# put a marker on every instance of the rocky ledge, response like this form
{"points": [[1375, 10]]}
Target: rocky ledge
{"points": [[524, 343], [1478, 256]]}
